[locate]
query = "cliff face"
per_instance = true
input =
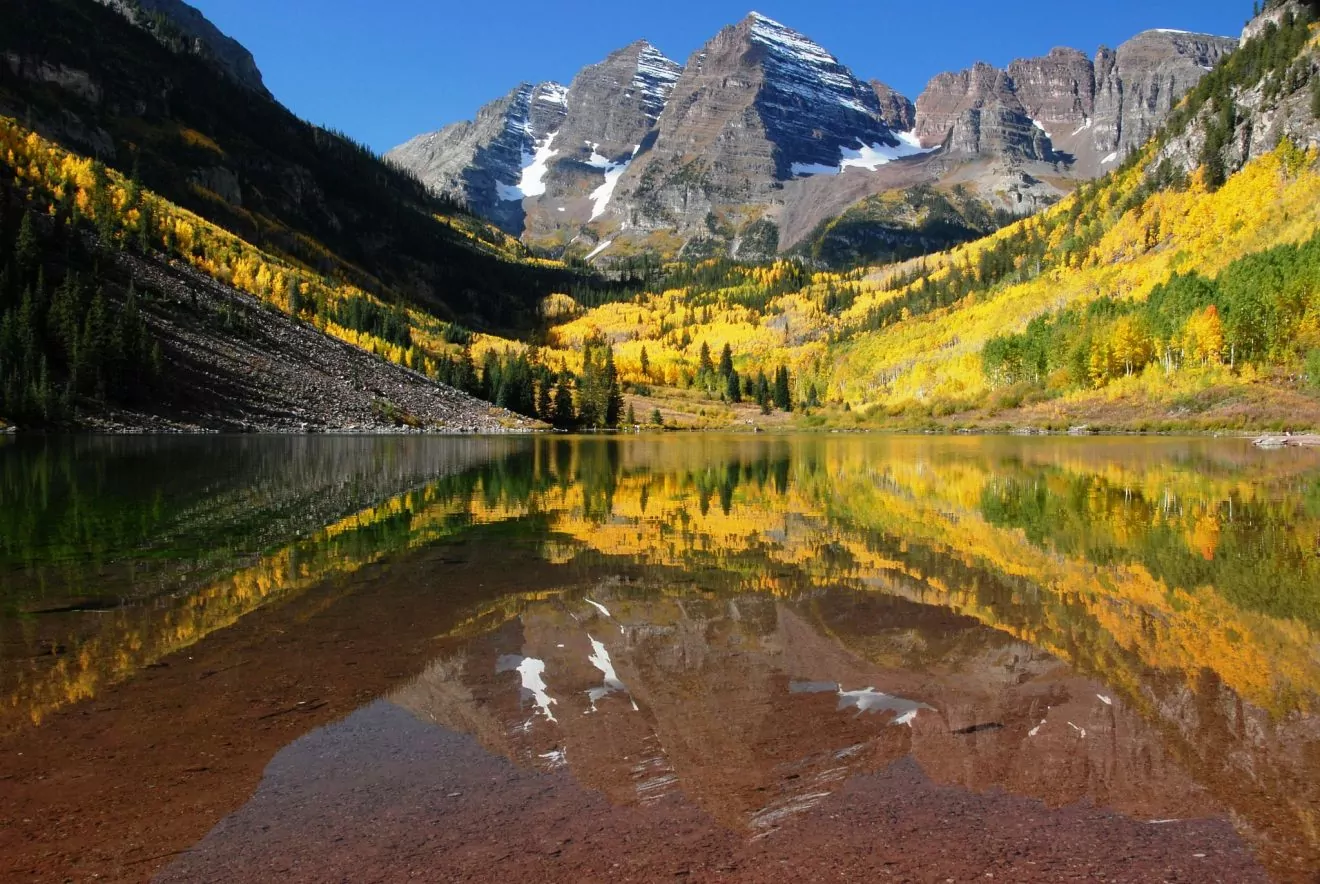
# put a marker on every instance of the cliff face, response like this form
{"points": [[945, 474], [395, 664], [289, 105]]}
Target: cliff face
{"points": [[1085, 114], [1154, 70], [978, 113]]}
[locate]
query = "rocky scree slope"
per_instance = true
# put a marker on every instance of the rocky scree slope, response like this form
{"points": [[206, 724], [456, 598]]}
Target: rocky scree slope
{"points": [[234, 365], [764, 137]]}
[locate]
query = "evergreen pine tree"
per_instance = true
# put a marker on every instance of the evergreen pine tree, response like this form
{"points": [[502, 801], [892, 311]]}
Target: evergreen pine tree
{"points": [[590, 406], [27, 249], [545, 406], [704, 366], [564, 416], [733, 387], [782, 393], [490, 377], [610, 386]]}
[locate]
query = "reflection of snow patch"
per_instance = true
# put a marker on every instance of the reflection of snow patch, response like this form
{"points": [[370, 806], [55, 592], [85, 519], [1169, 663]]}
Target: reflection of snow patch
{"points": [[601, 660], [531, 671], [871, 700], [534, 166]]}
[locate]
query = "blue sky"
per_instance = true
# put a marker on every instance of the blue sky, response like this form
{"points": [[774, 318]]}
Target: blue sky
{"points": [[388, 70]]}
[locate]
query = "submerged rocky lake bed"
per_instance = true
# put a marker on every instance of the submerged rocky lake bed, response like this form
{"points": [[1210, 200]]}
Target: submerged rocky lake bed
{"points": [[700, 657]]}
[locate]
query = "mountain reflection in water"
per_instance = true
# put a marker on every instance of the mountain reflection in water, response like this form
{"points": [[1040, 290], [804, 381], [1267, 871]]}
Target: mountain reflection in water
{"points": [[748, 627]]}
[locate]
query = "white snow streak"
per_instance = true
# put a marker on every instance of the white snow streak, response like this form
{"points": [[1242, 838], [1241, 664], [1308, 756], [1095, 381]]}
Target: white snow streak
{"points": [[1082, 128], [1113, 157], [599, 607], [534, 166], [866, 156], [1080, 730], [553, 93], [598, 249], [600, 197], [1035, 730], [1041, 126], [1106, 700]]}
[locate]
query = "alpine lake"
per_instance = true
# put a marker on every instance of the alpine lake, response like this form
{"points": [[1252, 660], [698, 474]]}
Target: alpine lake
{"points": [[659, 657]]}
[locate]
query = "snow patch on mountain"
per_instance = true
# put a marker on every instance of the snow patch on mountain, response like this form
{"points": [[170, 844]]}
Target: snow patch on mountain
{"points": [[534, 166], [598, 249], [600, 197], [866, 156], [553, 93]]}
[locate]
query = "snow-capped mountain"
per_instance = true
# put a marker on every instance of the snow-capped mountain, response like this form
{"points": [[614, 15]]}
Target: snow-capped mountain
{"points": [[764, 136], [548, 156]]}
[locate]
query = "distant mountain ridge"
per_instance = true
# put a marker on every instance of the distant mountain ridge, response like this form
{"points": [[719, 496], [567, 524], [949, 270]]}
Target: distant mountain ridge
{"points": [[763, 135]]}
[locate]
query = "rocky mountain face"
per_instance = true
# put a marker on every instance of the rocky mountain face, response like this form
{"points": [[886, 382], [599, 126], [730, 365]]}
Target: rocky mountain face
{"points": [[548, 148], [1085, 114], [757, 106], [495, 161], [176, 23], [763, 137]]}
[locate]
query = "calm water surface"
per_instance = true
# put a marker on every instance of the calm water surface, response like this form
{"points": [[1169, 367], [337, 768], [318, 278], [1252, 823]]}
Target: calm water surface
{"points": [[703, 657]]}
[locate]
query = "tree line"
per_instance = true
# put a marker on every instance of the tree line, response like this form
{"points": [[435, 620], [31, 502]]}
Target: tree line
{"points": [[525, 384]]}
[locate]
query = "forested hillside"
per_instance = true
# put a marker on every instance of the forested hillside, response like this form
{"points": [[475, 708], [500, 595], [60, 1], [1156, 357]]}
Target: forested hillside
{"points": [[83, 76]]}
